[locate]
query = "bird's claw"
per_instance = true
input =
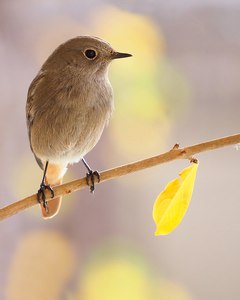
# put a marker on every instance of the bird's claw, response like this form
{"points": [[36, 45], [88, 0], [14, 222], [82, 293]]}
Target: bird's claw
{"points": [[42, 197], [90, 178]]}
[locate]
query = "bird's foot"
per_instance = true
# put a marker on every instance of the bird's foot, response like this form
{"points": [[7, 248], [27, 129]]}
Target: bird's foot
{"points": [[42, 197], [90, 178]]}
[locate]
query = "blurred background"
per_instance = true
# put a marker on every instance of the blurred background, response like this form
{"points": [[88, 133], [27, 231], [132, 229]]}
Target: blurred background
{"points": [[181, 85]]}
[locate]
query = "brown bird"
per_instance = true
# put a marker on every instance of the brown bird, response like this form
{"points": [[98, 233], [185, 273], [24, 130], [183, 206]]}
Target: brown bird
{"points": [[69, 103]]}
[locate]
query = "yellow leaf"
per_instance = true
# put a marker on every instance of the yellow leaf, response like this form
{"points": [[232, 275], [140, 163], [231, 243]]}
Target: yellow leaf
{"points": [[172, 204]]}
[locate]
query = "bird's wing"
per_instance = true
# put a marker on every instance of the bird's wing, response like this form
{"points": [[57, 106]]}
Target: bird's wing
{"points": [[30, 109]]}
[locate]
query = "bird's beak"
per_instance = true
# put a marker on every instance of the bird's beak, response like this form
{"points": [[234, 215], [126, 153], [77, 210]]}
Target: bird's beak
{"points": [[120, 55]]}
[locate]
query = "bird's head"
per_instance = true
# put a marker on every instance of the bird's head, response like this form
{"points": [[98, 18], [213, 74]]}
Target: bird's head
{"points": [[88, 54]]}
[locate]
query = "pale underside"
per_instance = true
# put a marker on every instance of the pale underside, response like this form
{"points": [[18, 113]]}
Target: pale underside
{"points": [[66, 124]]}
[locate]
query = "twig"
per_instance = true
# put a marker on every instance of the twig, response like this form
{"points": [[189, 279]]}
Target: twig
{"points": [[173, 154]]}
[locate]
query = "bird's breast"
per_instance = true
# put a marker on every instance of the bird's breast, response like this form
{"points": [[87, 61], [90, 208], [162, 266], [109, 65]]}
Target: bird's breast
{"points": [[74, 124]]}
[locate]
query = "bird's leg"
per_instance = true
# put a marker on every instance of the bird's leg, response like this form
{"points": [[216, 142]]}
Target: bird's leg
{"points": [[43, 187], [90, 176]]}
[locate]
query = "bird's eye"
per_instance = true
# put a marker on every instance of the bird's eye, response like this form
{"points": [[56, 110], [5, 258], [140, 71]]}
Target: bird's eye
{"points": [[90, 53]]}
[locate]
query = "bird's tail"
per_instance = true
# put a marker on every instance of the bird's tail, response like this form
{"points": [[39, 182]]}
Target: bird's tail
{"points": [[54, 177]]}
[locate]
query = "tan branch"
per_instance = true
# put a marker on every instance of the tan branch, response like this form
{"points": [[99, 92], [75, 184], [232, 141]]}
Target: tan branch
{"points": [[173, 154]]}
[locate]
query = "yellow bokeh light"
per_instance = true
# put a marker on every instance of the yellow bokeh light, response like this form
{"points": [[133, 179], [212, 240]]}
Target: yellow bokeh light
{"points": [[134, 32], [117, 279], [140, 122], [118, 275], [42, 265]]}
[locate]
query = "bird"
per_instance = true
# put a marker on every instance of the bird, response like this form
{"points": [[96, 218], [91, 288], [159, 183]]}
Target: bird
{"points": [[69, 103]]}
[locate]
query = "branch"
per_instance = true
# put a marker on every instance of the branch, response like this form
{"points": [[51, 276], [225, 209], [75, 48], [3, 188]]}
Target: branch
{"points": [[173, 154]]}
